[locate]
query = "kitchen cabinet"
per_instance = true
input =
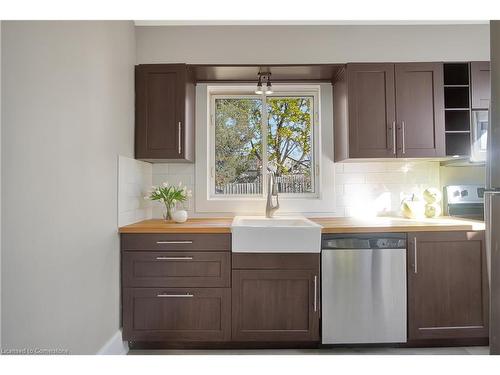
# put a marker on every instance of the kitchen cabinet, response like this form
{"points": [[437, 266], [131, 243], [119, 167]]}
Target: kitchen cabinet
{"points": [[177, 314], [389, 111], [176, 287], [447, 286], [420, 110], [164, 113], [481, 86], [372, 116], [275, 297]]}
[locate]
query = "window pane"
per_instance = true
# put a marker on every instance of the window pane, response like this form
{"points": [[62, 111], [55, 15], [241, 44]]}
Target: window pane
{"points": [[238, 146], [289, 142]]}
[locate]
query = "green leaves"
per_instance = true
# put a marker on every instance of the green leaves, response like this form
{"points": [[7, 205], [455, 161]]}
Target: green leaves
{"points": [[238, 137], [169, 194]]}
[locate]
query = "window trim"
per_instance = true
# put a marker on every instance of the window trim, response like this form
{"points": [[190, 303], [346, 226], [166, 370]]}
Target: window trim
{"points": [[279, 92], [203, 205]]}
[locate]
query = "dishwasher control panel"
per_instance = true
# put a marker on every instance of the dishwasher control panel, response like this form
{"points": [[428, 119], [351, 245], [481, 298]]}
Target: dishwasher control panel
{"points": [[364, 241]]}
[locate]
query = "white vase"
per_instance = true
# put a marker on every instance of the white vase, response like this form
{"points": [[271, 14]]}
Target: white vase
{"points": [[180, 216]]}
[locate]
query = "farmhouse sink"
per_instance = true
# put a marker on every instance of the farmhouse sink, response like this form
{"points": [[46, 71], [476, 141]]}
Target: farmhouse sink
{"points": [[257, 234]]}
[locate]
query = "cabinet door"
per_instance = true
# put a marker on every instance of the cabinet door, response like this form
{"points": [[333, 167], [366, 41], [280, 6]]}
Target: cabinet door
{"points": [[275, 305], [481, 87], [420, 110], [447, 285], [160, 111], [371, 110], [180, 314]]}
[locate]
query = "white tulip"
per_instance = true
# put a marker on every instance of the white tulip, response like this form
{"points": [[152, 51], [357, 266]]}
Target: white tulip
{"points": [[165, 184]]}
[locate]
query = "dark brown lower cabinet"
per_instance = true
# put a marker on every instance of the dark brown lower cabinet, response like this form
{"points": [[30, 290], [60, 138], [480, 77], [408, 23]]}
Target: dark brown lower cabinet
{"points": [[176, 314], [279, 301], [448, 293], [203, 269]]}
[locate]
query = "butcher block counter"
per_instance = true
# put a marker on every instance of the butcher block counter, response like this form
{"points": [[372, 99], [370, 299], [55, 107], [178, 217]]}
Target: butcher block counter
{"points": [[330, 225]]}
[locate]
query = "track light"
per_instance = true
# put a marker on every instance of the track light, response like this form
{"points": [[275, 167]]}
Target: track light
{"points": [[269, 87], [259, 90]]}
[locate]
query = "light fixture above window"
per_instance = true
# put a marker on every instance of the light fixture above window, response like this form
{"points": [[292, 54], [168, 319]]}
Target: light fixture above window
{"points": [[264, 76], [269, 86], [259, 90]]}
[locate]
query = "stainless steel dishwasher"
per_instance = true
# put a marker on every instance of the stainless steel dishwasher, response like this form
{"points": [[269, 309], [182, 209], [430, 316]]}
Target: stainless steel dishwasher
{"points": [[363, 288]]}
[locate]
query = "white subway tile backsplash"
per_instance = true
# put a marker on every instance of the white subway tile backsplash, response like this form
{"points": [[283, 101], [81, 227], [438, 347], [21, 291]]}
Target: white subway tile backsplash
{"points": [[181, 168], [385, 184], [368, 167], [134, 180], [160, 168], [349, 178], [361, 189], [386, 177]]}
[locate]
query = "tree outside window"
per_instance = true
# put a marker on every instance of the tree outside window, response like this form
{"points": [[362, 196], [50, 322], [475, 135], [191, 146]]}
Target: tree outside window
{"points": [[239, 150]]}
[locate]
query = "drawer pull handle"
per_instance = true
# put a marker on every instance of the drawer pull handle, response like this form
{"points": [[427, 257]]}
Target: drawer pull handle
{"points": [[174, 258], [415, 264], [173, 242], [315, 293], [187, 295]]}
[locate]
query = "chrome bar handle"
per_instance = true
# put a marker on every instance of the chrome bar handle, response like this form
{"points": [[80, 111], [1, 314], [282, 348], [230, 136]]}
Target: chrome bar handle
{"points": [[415, 266], [180, 137], [394, 137], [187, 295], [403, 136], [173, 242], [315, 293], [174, 258]]}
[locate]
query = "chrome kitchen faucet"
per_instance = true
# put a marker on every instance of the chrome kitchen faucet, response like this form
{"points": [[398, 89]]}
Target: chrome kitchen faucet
{"points": [[272, 191]]}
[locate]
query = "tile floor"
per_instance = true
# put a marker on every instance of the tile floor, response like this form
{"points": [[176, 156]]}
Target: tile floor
{"points": [[469, 350]]}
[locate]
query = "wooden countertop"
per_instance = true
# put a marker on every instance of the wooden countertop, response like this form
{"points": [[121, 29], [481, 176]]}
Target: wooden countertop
{"points": [[330, 225]]}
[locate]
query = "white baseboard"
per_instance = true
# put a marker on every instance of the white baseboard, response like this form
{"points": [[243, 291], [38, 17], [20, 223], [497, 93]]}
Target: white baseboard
{"points": [[115, 345]]}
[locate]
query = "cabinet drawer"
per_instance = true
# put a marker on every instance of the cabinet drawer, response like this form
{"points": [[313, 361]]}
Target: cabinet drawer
{"points": [[176, 242], [179, 314], [176, 269], [275, 261]]}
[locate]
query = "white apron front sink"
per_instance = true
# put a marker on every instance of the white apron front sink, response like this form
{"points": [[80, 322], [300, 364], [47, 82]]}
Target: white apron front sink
{"points": [[257, 234]]}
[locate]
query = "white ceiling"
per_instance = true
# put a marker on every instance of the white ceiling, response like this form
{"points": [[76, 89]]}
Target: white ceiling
{"points": [[296, 22]]}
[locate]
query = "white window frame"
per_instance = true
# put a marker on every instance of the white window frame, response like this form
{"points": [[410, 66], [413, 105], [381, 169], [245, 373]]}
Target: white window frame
{"points": [[279, 92], [323, 198]]}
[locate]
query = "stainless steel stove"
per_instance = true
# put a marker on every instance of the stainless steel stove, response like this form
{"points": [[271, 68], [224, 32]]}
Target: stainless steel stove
{"points": [[466, 201]]}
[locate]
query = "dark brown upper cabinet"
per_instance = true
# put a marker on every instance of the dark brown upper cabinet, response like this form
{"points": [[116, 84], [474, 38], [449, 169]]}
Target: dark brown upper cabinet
{"points": [[164, 113], [481, 87], [447, 286], [420, 110], [372, 112], [389, 111]]}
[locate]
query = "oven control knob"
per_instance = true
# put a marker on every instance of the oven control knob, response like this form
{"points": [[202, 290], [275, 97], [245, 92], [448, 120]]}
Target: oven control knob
{"points": [[464, 193], [456, 193]]}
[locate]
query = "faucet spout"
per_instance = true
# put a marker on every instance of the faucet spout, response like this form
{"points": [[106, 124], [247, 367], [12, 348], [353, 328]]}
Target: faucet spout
{"points": [[272, 191]]}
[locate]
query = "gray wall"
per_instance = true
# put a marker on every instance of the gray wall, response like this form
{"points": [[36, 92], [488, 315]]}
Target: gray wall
{"points": [[67, 113], [0, 185], [311, 44]]}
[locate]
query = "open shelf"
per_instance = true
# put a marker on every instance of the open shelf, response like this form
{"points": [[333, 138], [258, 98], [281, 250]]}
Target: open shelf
{"points": [[458, 144], [457, 109], [456, 97], [456, 74], [457, 120]]}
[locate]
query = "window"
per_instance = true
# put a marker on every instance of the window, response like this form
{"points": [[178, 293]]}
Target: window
{"points": [[251, 134]]}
